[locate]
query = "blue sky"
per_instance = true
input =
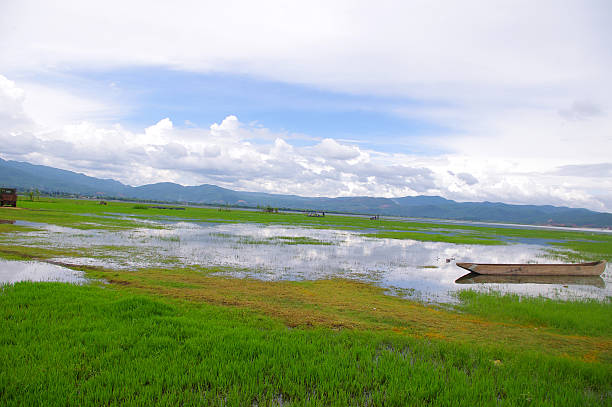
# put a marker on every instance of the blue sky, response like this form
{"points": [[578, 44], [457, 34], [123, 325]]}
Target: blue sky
{"points": [[198, 99], [505, 101]]}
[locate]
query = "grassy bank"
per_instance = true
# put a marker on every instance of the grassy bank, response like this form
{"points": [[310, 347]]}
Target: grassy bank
{"points": [[94, 345], [182, 335], [586, 317]]}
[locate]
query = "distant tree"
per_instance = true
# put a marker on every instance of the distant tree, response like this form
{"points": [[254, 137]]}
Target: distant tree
{"points": [[270, 209]]}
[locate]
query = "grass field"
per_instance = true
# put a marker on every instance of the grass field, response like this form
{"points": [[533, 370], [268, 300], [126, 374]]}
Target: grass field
{"points": [[186, 336], [74, 345]]}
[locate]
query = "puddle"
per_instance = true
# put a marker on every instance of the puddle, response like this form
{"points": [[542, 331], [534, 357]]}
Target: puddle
{"points": [[15, 271], [277, 252]]}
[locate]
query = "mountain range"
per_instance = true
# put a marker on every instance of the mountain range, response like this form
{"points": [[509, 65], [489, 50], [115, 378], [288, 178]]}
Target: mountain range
{"points": [[26, 176]]}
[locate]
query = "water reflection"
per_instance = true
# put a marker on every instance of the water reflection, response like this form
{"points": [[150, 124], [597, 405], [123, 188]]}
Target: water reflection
{"points": [[15, 271], [278, 253], [475, 278]]}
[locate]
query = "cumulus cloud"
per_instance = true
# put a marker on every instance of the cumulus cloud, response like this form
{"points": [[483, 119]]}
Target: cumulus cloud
{"points": [[195, 156], [221, 154], [230, 127], [12, 113], [211, 151], [11, 98], [175, 150], [158, 130], [469, 179], [331, 149]]}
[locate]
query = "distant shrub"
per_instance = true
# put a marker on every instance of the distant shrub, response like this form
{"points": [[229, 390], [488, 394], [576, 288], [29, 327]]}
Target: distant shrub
{"points": [[140, 207], [269, 209]]}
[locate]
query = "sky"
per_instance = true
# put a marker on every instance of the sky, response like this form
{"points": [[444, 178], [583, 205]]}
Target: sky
{"points": [[505, 101]]}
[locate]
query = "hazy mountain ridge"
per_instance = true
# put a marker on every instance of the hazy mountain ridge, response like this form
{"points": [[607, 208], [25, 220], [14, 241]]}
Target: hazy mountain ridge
{"points": [[27, 176]]}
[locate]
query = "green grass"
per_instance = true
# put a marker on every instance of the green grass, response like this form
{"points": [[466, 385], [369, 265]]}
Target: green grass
{"points": [[11, 228], [587, 317], [583, 250], [89, 345]]}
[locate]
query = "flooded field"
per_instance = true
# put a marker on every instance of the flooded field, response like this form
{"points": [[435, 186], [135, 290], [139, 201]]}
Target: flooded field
{"points": [[416, 269]]}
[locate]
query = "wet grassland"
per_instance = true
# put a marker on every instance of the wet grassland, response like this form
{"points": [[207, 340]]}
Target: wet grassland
{"points": [[179, 333]]}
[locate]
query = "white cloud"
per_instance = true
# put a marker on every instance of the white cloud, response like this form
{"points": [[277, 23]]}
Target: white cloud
{"points": [[53, 106], [11, 98], [523, 87], [386, 47], [158, 133], [469, 179], [331, 149], [212, 151], [12, 113], [228, 127], [222, 154], [280, 167], [581, 110], [598, 170], [533, 139]]}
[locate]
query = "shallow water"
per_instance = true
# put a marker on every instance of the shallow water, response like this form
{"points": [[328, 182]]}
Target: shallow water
{"points": [[407, 267], [16, 271]]}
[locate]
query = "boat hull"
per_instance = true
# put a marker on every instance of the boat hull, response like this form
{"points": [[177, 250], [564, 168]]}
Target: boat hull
{"points": [[580, 269]]}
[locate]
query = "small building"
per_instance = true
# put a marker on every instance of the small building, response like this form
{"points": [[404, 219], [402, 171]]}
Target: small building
{"points": [[8, 197]]}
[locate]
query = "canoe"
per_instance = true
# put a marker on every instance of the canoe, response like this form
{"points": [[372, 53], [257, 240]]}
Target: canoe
{"points": [[580, 269], [473, 278]]}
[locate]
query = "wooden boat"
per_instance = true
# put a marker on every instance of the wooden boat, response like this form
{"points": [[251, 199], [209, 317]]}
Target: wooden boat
{"points": [[473, 278], [581, 269]]}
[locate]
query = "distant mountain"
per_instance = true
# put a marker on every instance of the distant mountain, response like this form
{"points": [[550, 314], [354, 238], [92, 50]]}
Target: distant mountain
{"points": [[27, 176]]}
